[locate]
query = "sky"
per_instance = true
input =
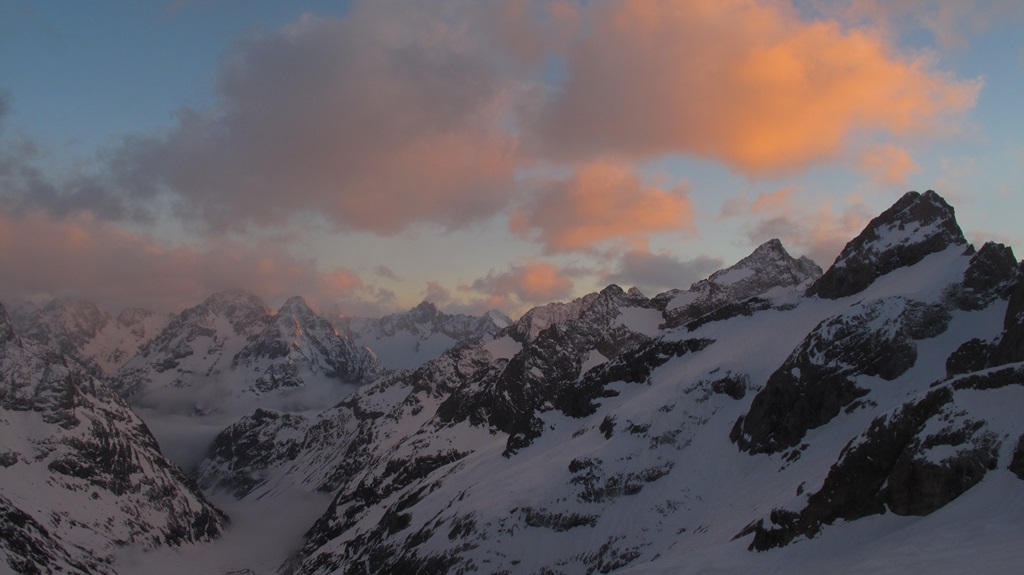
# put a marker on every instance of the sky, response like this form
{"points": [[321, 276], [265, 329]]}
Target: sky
{"points": [[483, 155]]}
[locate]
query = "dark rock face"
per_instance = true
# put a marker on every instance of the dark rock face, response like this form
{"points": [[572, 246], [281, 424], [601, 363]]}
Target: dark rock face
{"points": [[539, 377], [972, 355], [912, 462], [915, 226], [98, 454], [817, 380], [989, 276], [1011, 344], [1017, 463], [250, 446], [27, 547]]}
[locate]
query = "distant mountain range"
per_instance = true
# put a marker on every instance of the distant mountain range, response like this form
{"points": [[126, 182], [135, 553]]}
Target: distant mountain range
{"points": [[771, 418]]}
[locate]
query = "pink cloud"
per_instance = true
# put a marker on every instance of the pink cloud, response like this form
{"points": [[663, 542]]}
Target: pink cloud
{"points": [[81, 256], [888, 164], [387, 117], [529, 283], [601, 201]]}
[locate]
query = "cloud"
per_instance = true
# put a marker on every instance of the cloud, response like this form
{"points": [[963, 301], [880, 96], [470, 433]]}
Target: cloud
{"points": [[662, 271], [747, 83], [387, 117], [819, 233], [532, 282], [386, 273], [436, 293], [764, 202], [82, 256], [951, 23], [888, 164], [813, 227], [600, 201]]}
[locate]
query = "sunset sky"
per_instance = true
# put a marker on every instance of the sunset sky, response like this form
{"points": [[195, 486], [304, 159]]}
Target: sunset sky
{"points": [[501, 154]]}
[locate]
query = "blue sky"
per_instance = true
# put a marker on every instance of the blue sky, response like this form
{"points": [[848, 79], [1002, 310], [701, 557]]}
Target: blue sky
{"points": [[503, 154]]}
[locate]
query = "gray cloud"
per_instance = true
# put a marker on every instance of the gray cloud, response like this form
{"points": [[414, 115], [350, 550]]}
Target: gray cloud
{"points": [[376, 121], [657, 272]]}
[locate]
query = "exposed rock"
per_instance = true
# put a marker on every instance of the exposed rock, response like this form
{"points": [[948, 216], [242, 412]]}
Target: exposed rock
{"points": [[1011, 343], [989, 276], [299, 341], [105, 470], [767, 269], [972, 355], [1017, 463], [817, 380], [915, 226]]}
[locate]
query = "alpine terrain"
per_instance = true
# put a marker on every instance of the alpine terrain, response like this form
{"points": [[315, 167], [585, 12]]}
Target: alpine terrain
{"points": [[772, 418]]}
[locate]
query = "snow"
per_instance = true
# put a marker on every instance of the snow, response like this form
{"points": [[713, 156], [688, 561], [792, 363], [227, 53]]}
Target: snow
{"points": [[641, 320], [697, 490], [503, 347], [732, 276], [261, 536]]}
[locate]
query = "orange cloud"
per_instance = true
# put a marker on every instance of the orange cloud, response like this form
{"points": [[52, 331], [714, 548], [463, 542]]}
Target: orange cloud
{"points": [[748, 83], [601, 201], [81, 256], [533, 282], [888, 164]]}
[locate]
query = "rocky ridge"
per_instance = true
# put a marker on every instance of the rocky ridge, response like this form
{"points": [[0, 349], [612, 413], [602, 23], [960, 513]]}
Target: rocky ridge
{"points": [[611, 406], [81, 474]]}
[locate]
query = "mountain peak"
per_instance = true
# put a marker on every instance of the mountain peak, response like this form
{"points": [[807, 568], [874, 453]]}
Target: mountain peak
{"points": [[915, 226], [425, 311], [296, 306], [6, 327]]}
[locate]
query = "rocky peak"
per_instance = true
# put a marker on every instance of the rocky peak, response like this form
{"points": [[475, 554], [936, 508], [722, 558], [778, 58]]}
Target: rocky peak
{"points": [[7, 333], [425, 312], [993, 266], [66, 323], [296, 307], [915, 226], [541, 317], [767, 268], [133, 316], [236, 305]]}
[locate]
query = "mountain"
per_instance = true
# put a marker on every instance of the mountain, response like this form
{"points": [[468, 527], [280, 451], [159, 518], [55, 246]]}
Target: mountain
{"points": [[298, 342], [871, 414], [88, 334], [195, 349], [768, 271], [406, 340], [81, 475], [231, 351], [915, 226]]}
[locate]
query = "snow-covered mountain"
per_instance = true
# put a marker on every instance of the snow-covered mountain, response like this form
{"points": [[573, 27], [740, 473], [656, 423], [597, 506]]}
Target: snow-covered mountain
{"points": [[231, 349], [196, 348], [692, 432], [768, 271], [299, 345], [89, 335], [80, 474], [772, 418], [406, 340]]}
